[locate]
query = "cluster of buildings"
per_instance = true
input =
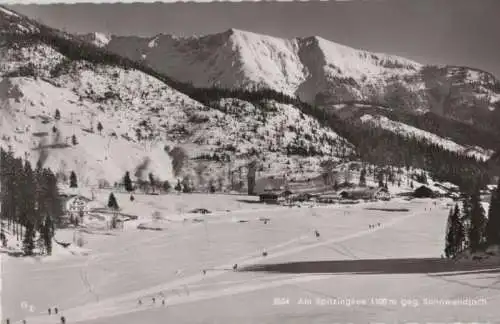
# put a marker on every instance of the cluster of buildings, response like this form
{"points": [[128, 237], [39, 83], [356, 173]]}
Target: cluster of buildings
{"points": [[277, 190]]}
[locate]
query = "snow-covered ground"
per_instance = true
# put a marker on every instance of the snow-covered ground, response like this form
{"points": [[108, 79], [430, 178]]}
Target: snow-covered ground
{"points": [[104, 287]]}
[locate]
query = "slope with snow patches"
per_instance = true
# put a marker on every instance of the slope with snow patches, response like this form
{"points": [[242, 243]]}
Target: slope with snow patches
{"points": [[11, 22], [410, 131], [140, 116]]}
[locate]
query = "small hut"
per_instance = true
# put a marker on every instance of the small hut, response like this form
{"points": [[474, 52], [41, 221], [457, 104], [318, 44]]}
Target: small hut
{"points": [[423, 192]]}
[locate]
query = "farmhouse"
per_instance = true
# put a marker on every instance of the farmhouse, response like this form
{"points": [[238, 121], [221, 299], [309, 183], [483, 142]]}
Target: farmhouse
{"points": [[366, 194], [271, 197], [327, 199], [76, 205], [423, 192], [265, 185], [301, 197]]}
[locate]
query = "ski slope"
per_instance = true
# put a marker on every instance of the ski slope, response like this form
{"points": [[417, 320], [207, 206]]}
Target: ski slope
{"points": [[129, 265]]}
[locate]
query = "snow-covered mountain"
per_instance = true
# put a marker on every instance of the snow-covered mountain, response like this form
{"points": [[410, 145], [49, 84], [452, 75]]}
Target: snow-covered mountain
{"points": [[301, 66], [142, 117], [321, 72], [145, 114], [314, 69]]}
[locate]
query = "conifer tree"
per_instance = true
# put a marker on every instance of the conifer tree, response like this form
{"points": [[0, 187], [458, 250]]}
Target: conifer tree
{"points": [[3, 238], [477, 223], [455, 233], [127, 182], [178, 186], [493, 223], [28, 192], [450, 237], [166, 185], [47, 234], [99, 127], [29, 236], [460, 233], [152, 181], [466, 217], [54, 205], [112, 203], [73, 182]]}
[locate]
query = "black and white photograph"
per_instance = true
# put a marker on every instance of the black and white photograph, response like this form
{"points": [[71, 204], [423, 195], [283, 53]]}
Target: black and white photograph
{"points": [[250, 162]]}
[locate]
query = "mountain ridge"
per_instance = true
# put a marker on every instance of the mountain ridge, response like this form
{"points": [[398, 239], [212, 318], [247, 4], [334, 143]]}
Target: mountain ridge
{"points": [[238, 58]]}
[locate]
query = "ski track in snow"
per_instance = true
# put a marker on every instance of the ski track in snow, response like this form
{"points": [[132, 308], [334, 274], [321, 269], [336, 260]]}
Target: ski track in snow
{"points": [[127, 303]]}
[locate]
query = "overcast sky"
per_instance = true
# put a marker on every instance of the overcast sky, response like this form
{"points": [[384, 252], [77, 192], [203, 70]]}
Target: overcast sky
{"points": [[459, 32]]}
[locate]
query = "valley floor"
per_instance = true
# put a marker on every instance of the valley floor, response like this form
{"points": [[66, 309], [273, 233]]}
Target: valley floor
{"points": [[398, 260]]}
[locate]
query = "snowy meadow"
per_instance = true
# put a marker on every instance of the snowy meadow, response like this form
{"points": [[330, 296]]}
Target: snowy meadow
{"points": [[350, 273]]}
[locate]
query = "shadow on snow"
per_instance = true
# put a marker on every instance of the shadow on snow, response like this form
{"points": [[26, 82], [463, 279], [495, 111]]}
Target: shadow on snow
{"points": [[381, 266]]}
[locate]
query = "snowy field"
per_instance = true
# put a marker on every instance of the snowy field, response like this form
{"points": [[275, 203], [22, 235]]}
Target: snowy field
{"points": [[353, 262]]}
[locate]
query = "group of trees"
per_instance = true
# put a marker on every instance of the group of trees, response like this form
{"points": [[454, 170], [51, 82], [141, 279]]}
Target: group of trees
{"points": [[469, 228], [31, 206], [382, 147], [154, 184]]}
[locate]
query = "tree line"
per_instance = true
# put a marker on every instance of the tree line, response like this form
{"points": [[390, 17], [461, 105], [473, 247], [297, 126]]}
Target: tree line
{"points": [[469, 228], [31, 207]]}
